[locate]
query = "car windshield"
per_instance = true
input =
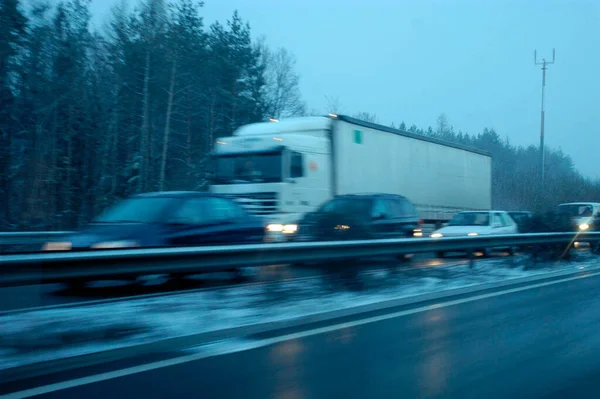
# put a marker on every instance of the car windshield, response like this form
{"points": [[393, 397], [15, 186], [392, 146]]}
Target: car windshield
{"points": [[255, 168], [358, 206], [470, 219], [135, 210], [576, 210]]}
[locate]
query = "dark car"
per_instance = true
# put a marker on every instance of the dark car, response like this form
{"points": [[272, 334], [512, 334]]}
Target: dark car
{"points": [[166, 219], [360, 216], [522, 219]]}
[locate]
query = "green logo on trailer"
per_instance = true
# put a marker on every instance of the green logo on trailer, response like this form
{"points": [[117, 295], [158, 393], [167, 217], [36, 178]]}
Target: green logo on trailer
{"points": [[358, 137]]}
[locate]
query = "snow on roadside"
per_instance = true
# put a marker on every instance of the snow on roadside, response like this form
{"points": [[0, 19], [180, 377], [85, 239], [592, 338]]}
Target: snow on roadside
{"points": [[38, 336]]}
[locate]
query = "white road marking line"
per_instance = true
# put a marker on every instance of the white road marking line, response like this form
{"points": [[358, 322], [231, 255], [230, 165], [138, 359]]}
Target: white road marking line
{"points": [[266, 342]]}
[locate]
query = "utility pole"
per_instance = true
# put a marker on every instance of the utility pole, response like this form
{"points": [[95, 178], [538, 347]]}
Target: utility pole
{"points": [[544, 65]]}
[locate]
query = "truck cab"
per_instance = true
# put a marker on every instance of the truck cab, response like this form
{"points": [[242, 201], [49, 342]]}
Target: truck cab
{"points": [[276, 170]]}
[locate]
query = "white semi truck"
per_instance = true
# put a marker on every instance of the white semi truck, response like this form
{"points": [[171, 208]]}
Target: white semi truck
{"points": [[284, 169]]}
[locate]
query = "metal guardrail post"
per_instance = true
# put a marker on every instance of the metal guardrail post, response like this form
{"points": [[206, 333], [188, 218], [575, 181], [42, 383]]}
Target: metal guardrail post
{"points": [[471, 256]]}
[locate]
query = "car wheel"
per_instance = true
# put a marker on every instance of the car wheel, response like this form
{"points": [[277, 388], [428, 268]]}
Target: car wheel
{"points": [[486, 253], [77, 285], [440, 254], [404, 257], [512, 251], [241, 274]]}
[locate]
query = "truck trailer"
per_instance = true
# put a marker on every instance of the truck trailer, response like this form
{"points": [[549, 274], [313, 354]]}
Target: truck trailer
{"points": [[283, 169]]}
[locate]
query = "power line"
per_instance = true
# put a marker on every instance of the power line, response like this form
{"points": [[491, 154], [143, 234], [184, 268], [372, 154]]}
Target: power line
{"points": [[544, 65]]}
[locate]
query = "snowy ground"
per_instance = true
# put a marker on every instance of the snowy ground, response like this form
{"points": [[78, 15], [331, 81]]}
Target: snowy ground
{"points": [[57, 333]]}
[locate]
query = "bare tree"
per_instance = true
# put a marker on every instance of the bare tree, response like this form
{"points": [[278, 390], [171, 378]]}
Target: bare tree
{"points": [[443, 128], [167, 131], [333, 105], [281, 83], [366, 116], [153, 22]]}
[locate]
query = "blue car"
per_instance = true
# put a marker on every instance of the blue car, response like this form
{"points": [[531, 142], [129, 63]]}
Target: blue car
{"points": [[165, 219]]}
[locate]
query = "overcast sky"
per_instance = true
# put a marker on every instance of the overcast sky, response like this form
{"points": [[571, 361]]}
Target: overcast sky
{"points": [[470, 59]]}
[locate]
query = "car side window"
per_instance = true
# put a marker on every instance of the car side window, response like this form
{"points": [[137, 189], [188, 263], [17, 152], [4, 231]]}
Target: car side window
{"points": [[379, 209], [192, 211], [394, 208], [497, 221], [508, 221], [406, 208], [222, 209], [296, 165]]}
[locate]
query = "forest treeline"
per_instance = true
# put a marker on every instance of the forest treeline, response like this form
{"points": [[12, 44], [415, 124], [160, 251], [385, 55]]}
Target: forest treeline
{"points": [[90, 116]]}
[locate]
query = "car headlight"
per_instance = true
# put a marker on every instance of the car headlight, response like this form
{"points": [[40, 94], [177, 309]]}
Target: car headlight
{"points": [[57, 246], [584, 226], [275, 227], [290, 228], [437, 235], [116, 244], [472, 234]]}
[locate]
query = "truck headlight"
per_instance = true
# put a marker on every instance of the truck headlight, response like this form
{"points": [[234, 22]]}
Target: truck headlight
{"points": [[290, 228], [116, 244], [437, 235], [275, 227], [584, 226], [57, 246]]}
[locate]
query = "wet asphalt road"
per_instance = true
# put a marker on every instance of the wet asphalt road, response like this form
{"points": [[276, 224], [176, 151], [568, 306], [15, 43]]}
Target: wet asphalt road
{"points": [[541, 342]]}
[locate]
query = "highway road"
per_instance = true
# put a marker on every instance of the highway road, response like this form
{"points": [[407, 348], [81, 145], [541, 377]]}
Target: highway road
{"points": [[536, 341], [13, 298]]}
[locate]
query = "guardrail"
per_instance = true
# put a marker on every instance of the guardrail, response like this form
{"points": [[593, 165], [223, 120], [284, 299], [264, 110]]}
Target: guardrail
{"points": [[31, 237], [125, 263]]}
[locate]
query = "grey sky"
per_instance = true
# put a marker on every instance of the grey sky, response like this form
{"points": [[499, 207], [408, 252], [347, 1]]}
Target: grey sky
{"points": [[470, 59]]}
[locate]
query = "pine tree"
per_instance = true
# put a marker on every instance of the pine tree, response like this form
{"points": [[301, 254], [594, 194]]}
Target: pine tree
{"points": [[13, 28]]}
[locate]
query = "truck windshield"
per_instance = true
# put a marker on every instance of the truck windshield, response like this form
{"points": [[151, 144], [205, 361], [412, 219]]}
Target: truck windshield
{"points": [[246, 168], [576, 210]]}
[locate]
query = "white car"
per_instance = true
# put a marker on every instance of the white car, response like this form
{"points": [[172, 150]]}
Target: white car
{"points": [[476, 223]]}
